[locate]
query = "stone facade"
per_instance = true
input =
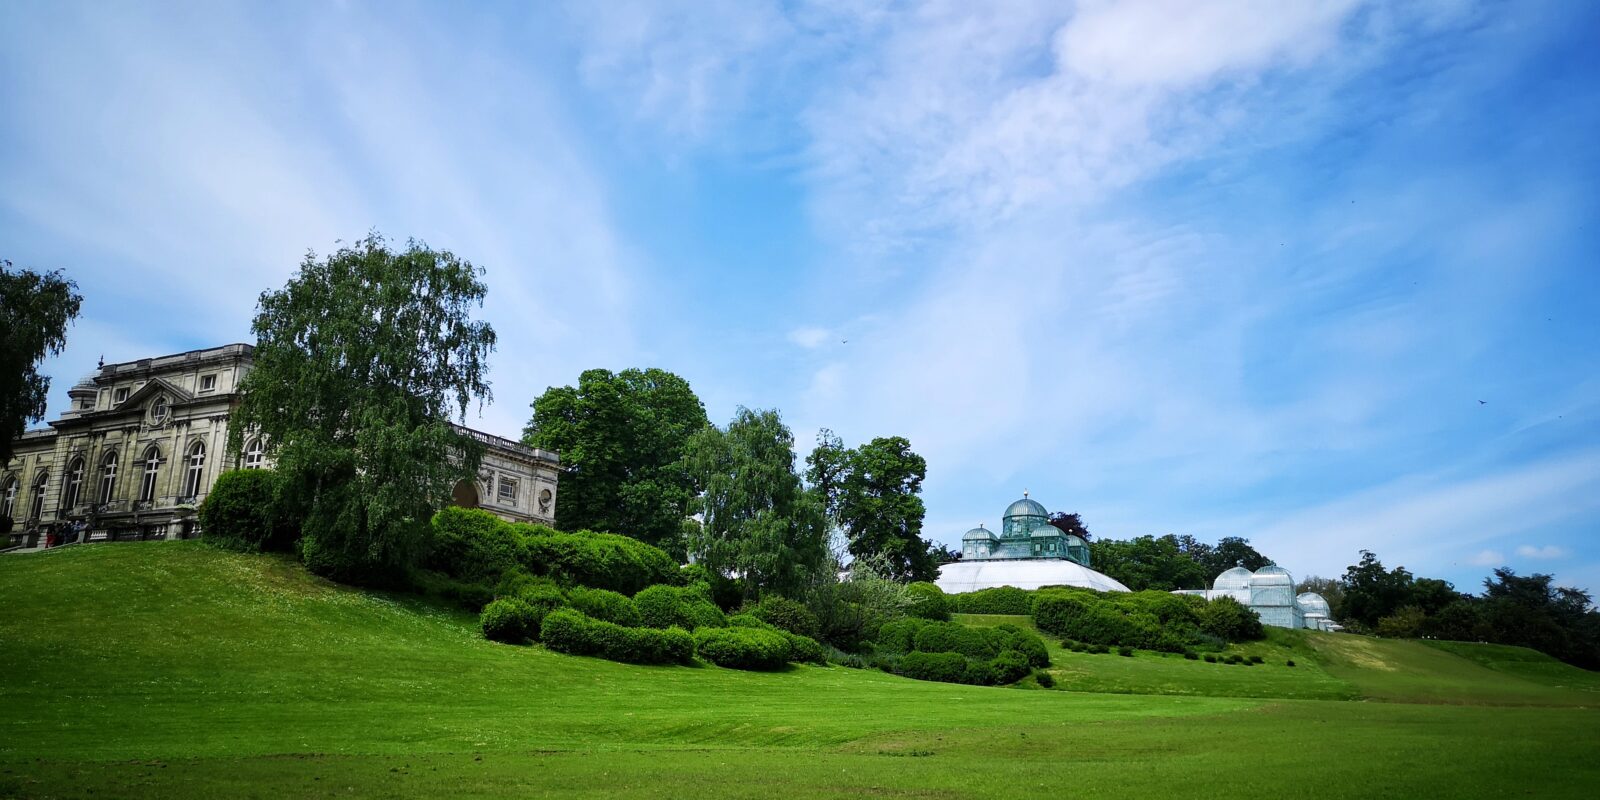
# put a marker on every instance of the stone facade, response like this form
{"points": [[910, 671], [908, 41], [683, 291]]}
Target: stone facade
{"points": [[143, 442]]}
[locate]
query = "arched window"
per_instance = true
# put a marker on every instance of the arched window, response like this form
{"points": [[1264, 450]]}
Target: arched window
{"points": [[108, 476], [74, 487], [39, 485], [197, 468], [152, 467], [8, 497], [158, 409], [255, 454]]}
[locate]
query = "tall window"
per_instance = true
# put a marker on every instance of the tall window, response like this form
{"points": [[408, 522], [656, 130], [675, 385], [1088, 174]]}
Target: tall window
{"points": [[8, 498], [197, 468], [152, 467], [108, 476], [69, 499], [255, 454], [39, 485]]}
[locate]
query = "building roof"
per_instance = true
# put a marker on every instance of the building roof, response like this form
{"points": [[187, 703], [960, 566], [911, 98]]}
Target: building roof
{"points": [[1045, 530], [1272, 575], [1026, 508], [1232, 580], [1031, 573], [1314, 603], [979, 533]]}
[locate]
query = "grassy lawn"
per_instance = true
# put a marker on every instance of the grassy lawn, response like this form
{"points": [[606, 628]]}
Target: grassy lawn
{"points": [[174, 670]]}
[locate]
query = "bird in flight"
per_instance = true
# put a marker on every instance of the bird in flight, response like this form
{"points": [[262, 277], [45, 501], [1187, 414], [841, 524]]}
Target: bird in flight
{"points": [[1483, 402]]}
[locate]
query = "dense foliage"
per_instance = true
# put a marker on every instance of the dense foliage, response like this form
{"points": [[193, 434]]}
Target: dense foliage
{"points": [[597, 560], [35, 310], [871, 493], [928, 601], [1149, 620], [789, 615], [242, 512], [757, 519], [360, 362], [1170, 562], [955, 653], [1526, 610], [687, 607], [743, 647], [604, 604], [998, 600], [851, 611], [567, 630], [621, 437]]}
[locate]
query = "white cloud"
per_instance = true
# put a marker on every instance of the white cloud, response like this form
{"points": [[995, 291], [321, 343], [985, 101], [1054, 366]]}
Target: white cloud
{"points": [[1548, 551], [1489, 558], [811, 337]]}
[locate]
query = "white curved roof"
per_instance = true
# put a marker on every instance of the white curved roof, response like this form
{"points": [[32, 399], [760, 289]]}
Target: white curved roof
{"points": [[1232, 580], [1313, 603], [1272, 575], [1031, 573]]}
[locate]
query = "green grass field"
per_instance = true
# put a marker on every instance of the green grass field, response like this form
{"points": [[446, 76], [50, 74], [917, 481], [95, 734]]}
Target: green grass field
{"points": [[174, 670]]}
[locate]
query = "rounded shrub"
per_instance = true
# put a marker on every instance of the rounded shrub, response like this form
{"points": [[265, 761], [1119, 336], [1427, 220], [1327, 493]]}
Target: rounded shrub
{"points": [[1044, 678], [742, 648], [1026, 642], [1125, 651], [1289, 663], [1190, 655], [242, 512], [1008, 667], [998, 600], [1211, 659], [899, 636], [1099, 649], [604, 604], [567, 630], [781, 612], [509, 620], [927, 601], [1257, 660], [596, 560], [688, 607], [472, 544], [946, 667], [1230, 620]]}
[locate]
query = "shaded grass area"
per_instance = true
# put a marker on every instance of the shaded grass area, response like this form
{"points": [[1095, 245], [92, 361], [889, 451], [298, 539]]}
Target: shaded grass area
{"points": [[171, 669]]}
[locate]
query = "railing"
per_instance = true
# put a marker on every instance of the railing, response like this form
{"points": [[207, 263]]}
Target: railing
{"points": [[112, 507]]}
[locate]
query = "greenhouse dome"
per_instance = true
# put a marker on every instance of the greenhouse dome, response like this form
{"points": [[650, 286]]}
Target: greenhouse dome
{"points": [[1232, 580], [1314, 604], [1271, 575], [979, 533], [1026, 508]]}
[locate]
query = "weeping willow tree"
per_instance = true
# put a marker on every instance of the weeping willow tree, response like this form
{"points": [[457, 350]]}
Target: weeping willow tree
{"points": [[757, 520], [361, 360]]}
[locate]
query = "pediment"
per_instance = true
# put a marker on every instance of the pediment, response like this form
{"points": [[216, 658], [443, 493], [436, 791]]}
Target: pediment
{"points": [[137, 400]]}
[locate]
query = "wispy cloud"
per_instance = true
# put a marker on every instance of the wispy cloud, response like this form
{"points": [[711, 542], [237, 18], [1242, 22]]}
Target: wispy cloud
{"points": [[1545, 552]]}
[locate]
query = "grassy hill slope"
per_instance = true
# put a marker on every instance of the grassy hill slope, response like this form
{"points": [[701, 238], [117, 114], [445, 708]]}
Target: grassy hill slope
{"points": [[171, 669]]}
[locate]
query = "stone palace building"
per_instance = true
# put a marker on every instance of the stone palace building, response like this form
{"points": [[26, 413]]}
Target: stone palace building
{"points": [[143, 441]]}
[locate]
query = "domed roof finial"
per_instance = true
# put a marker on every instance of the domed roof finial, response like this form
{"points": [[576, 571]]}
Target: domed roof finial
{"points": [[1024, 492]]}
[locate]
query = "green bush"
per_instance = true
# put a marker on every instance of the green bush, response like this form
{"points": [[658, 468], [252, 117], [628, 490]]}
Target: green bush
{"points": [[604, 604], [1025, 642], [1125, 651], [899, 636], [946, 667], [1230, 620], [242, 512], [802, 649], [473, 545], [470, 595], [566, 630], [951, 637], [1190, 655], [743, 648], [688, 607], [927, 601], [596, 560], [1044, 679], [1289, 663], [509, 620], [786, 614], [1257, 660], [1211, 659], [999, 600], [1099, 649]]}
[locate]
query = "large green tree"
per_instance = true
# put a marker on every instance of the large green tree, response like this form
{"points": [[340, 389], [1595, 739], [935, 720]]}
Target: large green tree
{"points": [[872, 493], [1149, 562], [360, 362], [35, 309], [621, 438], [758, 521]]}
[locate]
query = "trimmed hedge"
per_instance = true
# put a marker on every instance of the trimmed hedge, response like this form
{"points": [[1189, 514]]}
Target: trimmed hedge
{"points": [[509, 620], [743, 648], [928, 601], [596, 560], [473, 545], [1231, 620], [242, 512], [918, 635], [566, 630], [688, 607], [999, 600], [604, 604], [802, 649], [1146, 620]]}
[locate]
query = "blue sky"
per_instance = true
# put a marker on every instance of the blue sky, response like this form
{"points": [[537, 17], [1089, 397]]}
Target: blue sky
{"points": [[1236, 268]]}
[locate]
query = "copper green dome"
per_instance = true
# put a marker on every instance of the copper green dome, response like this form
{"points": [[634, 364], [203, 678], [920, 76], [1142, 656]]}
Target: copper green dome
{"points": [[1026, 508]]}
